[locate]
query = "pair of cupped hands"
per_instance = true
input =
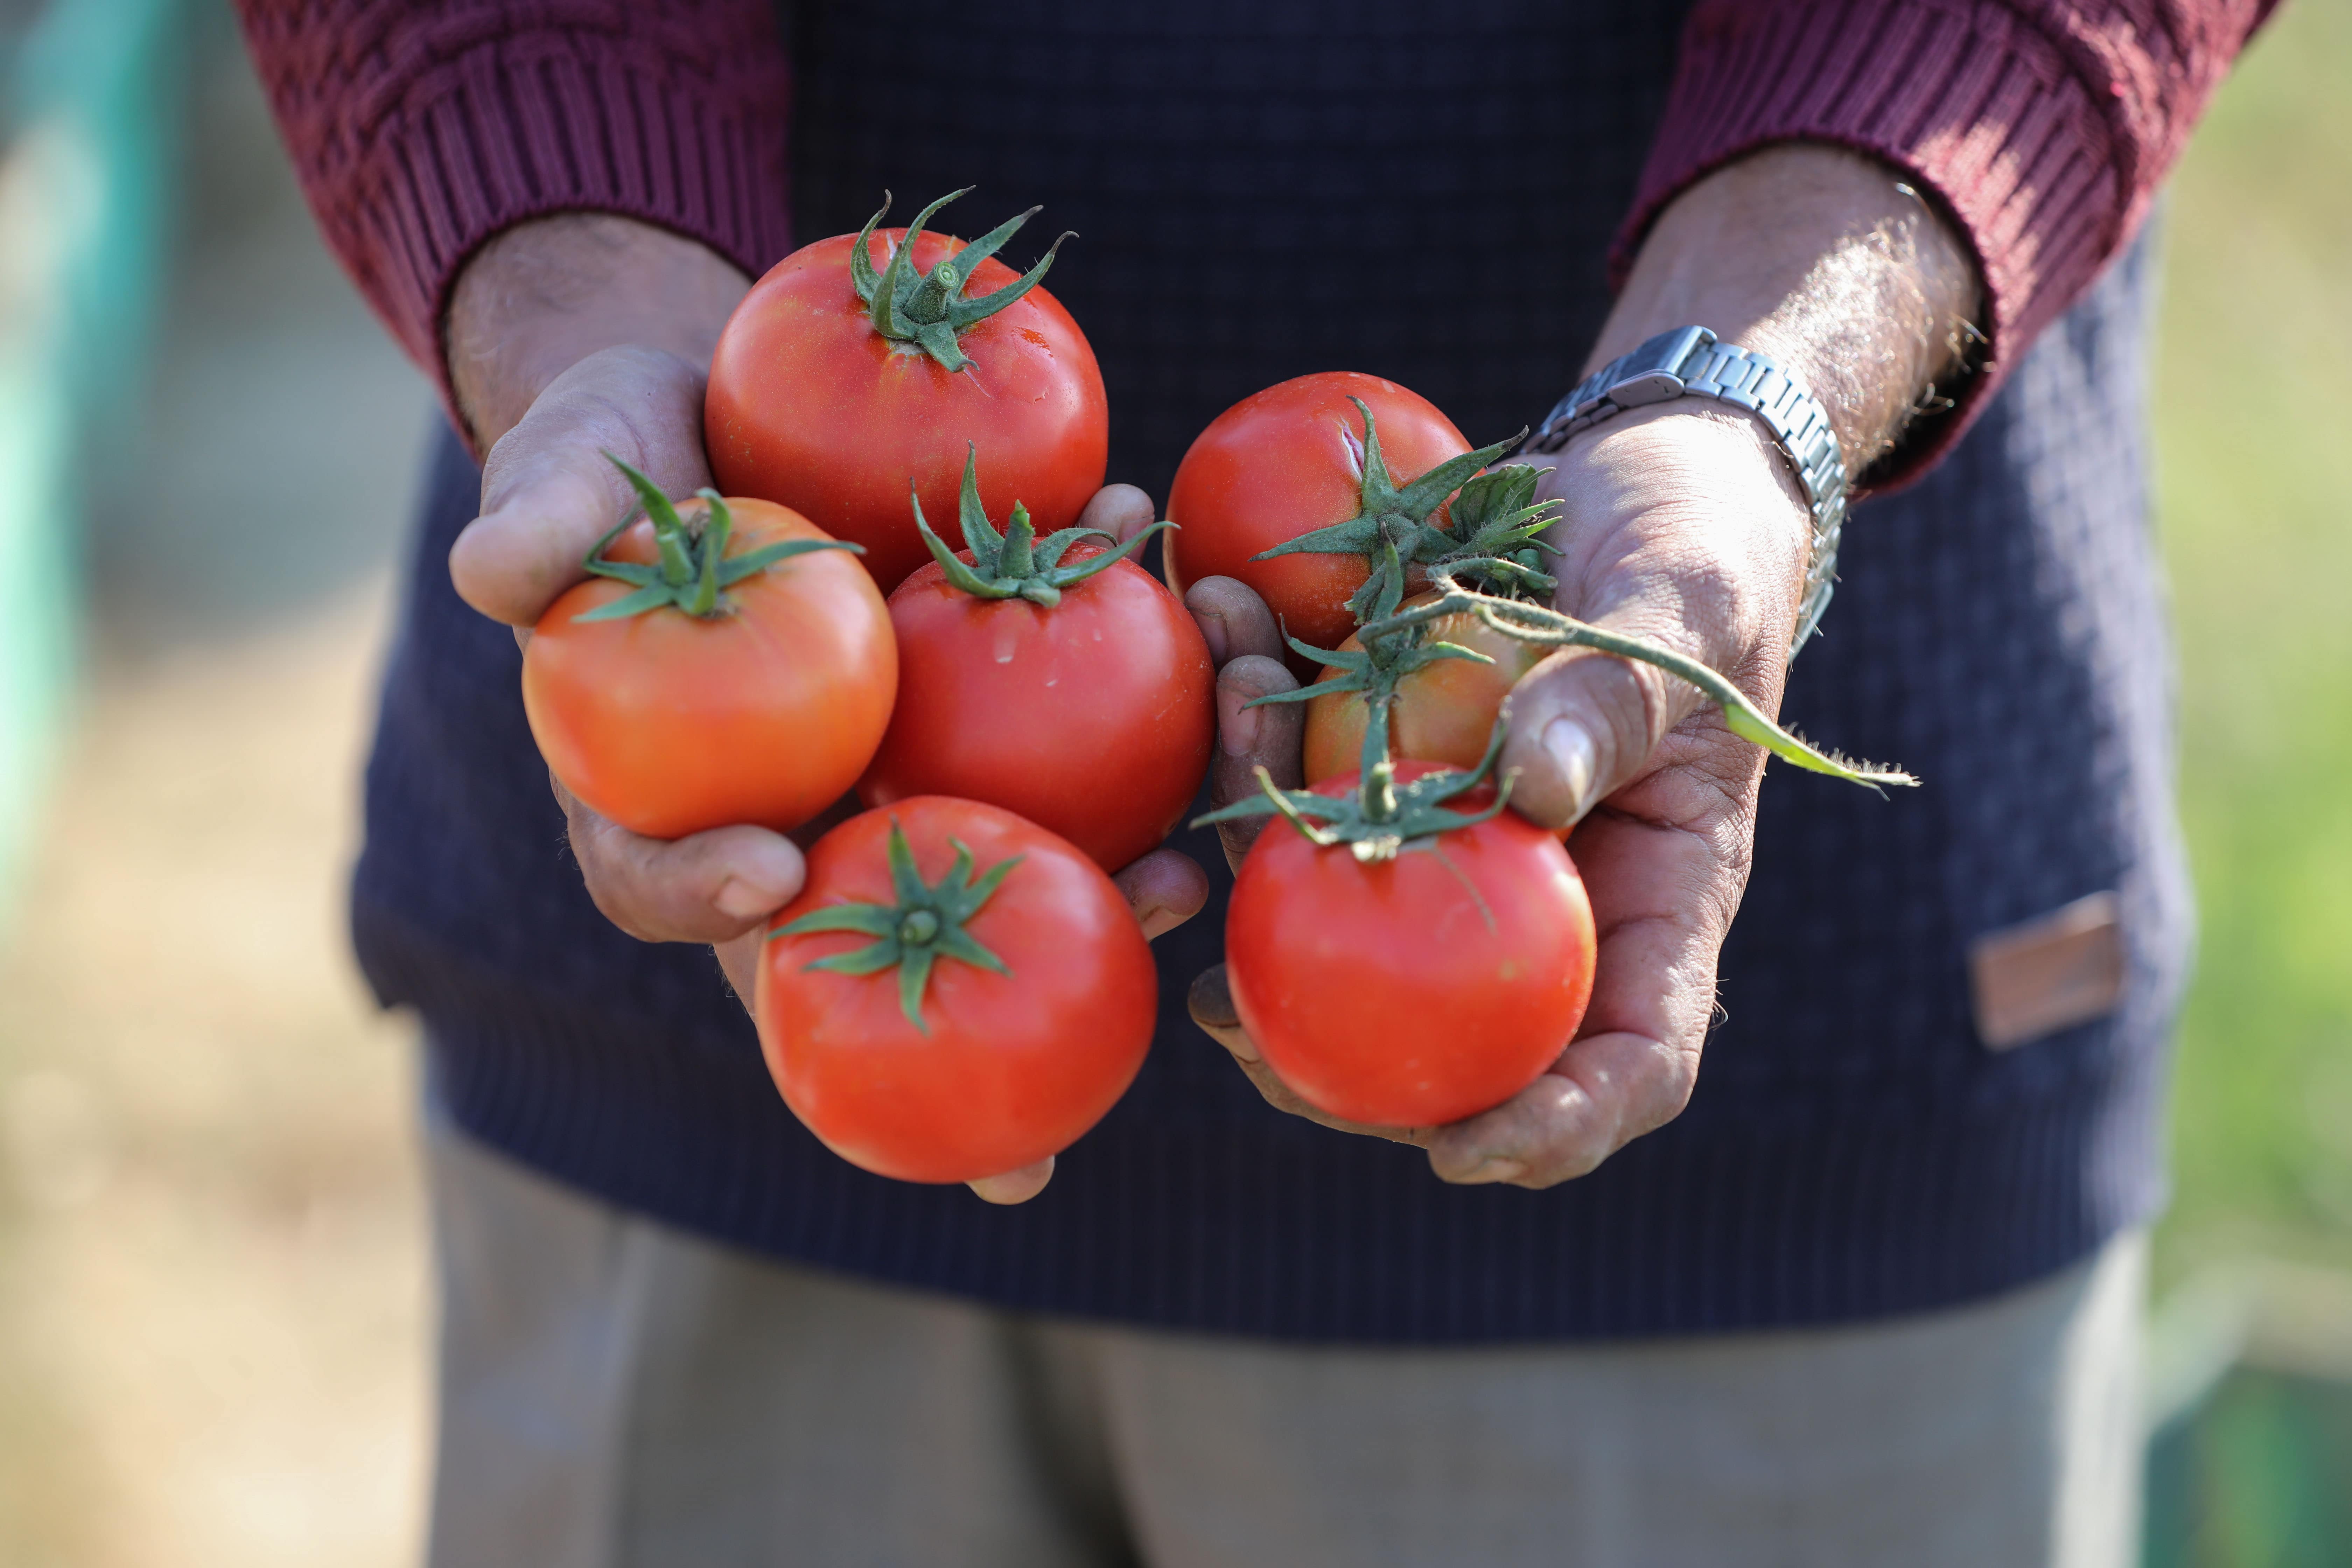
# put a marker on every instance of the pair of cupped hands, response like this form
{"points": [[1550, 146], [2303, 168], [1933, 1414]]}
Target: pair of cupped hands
{"points": [[1682, 525], [1680, 528]]}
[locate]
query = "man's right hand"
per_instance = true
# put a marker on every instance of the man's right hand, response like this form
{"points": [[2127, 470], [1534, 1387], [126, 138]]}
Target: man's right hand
{"points": [[568, 338], [583, 334]]}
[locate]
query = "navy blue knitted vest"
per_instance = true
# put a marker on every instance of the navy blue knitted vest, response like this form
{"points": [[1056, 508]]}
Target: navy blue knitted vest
{"points": [[1422, 191]]}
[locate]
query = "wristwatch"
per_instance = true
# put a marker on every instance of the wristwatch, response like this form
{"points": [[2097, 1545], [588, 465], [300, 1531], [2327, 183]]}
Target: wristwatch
{"points": [[1692, 362]]}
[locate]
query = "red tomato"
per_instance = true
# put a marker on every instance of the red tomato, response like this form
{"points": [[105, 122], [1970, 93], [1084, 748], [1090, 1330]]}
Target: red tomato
{"points": [[1444, 711], [811, 407], [1415, 991], [669, 723], [1007, 1067], [1283, 462], [1092, 718]]}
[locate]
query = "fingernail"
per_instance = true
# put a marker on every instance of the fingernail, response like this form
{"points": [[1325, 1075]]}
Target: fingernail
{"points": [[1236, 724], [1212, 631], [766, 876], [1570, 750], [1493, 1171], [743, 901]]}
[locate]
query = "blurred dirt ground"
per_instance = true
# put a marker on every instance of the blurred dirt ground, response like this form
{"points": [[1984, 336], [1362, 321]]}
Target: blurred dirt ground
{"points": [[213, 1312], [214, 1290]]}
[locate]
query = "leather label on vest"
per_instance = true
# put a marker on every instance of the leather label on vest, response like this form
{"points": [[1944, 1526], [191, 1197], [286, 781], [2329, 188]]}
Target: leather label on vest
{"points": [[2048, 973]]}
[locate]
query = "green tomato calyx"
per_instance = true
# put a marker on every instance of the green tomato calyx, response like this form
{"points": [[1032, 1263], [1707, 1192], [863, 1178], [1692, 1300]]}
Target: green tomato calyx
{"points": [[929, 310], [923, 924], [696, 571], [1376, 668], [1383, 817], [1494, 527], [1016, 563]]}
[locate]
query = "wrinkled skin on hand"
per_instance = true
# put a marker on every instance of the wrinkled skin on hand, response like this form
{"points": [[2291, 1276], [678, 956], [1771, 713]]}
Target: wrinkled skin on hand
{"points": [[1684, 530], [1681, 525]]}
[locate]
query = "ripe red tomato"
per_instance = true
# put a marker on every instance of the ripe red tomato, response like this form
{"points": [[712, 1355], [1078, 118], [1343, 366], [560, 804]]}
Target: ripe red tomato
{"points": [[1414, 991], [1444, 711], [1093, 719], [1032, 1024], [811, 406], [765, 712], [1283, 462]]}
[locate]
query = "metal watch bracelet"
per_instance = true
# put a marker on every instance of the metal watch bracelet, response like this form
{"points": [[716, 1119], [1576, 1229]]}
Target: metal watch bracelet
{"points": [[1692, 362]]}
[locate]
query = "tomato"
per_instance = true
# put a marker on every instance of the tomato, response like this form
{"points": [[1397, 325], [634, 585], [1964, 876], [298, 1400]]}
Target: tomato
{"points": [[812, 406], [764, 711], [1093, 719], [1074, 690], [1417, 990], [1444, 711], [1283, 462], [1032, 1024]]}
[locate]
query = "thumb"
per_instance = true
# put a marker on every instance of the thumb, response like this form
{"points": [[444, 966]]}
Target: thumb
{"points": [[548, 492], [1015, 1187], [1583, 726], [1120, 511]]}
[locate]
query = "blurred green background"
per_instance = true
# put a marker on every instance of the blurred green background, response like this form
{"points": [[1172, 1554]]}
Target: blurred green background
{"points": [[2254, 476], [2254, 466], [212, 1306]]}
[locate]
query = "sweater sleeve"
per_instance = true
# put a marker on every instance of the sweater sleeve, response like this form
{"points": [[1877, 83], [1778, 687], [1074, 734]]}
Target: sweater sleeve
{"points": [[421, 128], [2043, 126]]}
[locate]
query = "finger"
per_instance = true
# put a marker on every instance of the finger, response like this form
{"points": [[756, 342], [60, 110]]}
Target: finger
{"points": [[1015, 1187], [739, 959], [1582, 725], [1165, 889], [547, 492], [1211, 1002], [1605, 1091], [1120, 511], [1269, 737], [1233, 621], [1663, 896], [708, 887]]}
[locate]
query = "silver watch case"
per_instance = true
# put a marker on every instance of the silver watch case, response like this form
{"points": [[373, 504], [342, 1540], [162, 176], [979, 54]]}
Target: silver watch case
{"points": [[1692, 362]]}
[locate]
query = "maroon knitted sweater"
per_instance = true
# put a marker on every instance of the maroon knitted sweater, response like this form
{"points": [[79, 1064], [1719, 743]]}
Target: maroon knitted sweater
{"points": [[421, 128]]}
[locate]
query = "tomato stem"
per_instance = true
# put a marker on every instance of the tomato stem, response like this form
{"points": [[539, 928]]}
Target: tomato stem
{"points": [[1383, 817], [1493, 522], [1017, 564], [720, 524], [696, 571], [922, 925], [1375, 670], [1547, 628], [928, 312]]}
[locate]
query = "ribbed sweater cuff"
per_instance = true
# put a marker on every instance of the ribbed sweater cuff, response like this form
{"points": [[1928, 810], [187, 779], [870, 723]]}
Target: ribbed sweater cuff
{"points": [[1970, 102], [420, 133]]}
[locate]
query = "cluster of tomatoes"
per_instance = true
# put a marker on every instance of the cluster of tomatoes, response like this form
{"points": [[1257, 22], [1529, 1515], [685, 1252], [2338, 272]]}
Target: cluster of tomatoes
{"points": [[960, 990]]}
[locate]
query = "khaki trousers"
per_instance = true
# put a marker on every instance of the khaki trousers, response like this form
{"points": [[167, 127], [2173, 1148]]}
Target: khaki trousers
{"points": [[617, 1394]]}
